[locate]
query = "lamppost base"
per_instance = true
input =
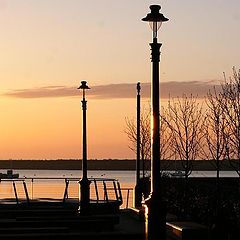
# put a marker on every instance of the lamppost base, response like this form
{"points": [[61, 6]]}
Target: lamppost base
{"points": [[138, 196], [84, 205], [155, 217]]}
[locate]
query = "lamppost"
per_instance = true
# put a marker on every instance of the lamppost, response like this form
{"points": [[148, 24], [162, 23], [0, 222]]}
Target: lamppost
{"points": [[84, 182], [155, 210], [138, 187]]}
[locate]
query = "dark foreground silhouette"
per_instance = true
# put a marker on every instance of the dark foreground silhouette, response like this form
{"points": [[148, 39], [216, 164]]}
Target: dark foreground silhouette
{"points": [[201, 200]]}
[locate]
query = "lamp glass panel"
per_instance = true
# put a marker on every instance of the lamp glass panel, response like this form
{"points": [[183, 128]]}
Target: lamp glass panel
{"points": [[155, 27]]}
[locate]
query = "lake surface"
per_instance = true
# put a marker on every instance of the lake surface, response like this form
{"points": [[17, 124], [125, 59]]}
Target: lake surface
{"points": [[123, 176]]}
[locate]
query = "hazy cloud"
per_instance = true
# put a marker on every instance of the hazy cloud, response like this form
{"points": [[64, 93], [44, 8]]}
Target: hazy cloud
{"points": [[124, 90], [43, 92], [197, 88]]}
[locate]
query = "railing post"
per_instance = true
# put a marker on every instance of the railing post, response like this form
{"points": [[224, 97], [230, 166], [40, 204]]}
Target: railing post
{"points": [[120, 193], [26, 191], [66, 190], [115, 189], [15, 192], [96, 189], [32, 188], [127, 198], [105, 191]]}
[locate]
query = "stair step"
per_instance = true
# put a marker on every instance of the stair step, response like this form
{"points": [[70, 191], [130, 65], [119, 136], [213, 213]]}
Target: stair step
{"points": [[18, 230]]}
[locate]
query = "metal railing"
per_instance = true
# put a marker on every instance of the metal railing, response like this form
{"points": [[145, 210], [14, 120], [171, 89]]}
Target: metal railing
{"points": [[61, 189], [105, 190], [128, 196]]}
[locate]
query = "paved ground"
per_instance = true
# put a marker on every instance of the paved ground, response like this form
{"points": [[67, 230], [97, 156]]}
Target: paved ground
{"points": [[53, 221], [131, 223]]}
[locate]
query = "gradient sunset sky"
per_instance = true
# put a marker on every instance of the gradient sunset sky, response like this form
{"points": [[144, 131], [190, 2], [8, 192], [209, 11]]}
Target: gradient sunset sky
{"points": [[48, 46]]}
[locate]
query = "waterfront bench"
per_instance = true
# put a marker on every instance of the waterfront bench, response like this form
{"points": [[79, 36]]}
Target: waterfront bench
{"points": [[186, 231]]}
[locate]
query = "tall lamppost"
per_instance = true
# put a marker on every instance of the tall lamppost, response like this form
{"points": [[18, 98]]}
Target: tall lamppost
{"points": [[154, 207], [138, 187], [84, 182]]}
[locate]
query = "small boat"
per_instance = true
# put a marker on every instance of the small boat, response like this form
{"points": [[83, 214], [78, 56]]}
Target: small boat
{"points": [[177, 174], [9, 175]]}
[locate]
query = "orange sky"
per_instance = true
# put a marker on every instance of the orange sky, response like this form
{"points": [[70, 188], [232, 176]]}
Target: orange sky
{"points": [[48, 47], [51, 128]]}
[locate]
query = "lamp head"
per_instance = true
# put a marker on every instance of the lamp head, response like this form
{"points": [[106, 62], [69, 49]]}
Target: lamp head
{"points": [[83, 85], [155, 19]]}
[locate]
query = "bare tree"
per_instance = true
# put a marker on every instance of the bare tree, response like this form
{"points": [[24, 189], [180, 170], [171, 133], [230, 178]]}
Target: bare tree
{"points": [[215, 130], [185, 120], [231, 107], [165, 137], [145, 135]]}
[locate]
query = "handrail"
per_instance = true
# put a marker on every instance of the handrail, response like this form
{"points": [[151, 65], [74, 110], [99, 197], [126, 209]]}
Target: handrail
{"points": [[55, 178], [39, 178], [106, 189]]}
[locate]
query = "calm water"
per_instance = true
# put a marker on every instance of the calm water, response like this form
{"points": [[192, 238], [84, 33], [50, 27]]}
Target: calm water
{"points": [[125, 177]]}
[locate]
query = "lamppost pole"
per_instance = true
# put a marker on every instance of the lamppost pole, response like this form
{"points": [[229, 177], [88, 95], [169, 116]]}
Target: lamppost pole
{"points": [[155, 209], [84, 138], [138, 132], [84, 182], [138, 188], [155, 141]]}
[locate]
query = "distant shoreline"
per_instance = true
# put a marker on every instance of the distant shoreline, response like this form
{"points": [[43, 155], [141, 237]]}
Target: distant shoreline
{"points": [[110, 164]]}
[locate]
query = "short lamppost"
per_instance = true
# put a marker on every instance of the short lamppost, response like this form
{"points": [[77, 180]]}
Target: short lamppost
{"points": [[138, 187], [84, 182], [155, 209]]}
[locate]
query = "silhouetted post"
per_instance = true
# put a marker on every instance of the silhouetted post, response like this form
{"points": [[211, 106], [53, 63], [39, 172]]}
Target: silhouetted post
{"points": [[155, 209], [138, 187], [84, 182]]}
